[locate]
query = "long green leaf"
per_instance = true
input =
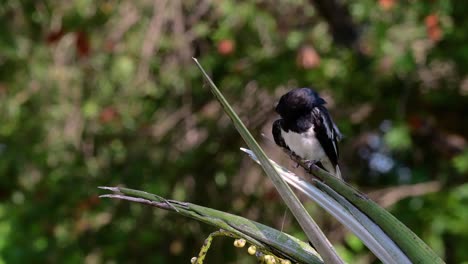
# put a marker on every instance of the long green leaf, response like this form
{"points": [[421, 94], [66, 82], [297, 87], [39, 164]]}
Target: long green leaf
{"points": [[311, 229], [380, 236], [276, 242], [416, 250], [366, 230]]}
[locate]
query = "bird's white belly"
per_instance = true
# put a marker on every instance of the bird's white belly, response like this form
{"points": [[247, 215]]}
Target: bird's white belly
{"points": [[305, 145]]}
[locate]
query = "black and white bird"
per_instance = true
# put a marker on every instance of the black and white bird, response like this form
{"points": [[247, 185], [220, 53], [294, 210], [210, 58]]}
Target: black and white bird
{"points": [[307, 130]]}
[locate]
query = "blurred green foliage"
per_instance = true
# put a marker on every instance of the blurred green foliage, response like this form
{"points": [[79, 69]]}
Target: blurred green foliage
{"points": [[104, 93]]}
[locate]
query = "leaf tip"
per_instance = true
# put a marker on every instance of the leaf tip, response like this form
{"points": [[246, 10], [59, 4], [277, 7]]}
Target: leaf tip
{"points": [[248, 151], [106, 196], [112, 189]]}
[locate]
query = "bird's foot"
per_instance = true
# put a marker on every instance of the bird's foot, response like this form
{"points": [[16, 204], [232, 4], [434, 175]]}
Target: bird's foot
{"points": [[309, 164]]}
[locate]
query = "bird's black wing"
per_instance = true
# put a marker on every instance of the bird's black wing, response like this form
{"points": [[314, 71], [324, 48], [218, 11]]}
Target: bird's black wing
{"points": [[276, 131], [326, 132]]}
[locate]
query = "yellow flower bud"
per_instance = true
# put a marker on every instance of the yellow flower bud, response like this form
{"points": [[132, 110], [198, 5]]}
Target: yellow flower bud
{"points": [[269, 259], [252, 250], [239, 243]]}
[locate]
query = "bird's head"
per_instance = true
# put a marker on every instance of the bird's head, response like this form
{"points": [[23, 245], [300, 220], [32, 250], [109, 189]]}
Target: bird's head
{"points": [[297, 102]]}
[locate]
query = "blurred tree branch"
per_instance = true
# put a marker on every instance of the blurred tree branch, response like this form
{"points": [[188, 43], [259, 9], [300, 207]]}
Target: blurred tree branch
{"points": [[151, 43], [389, 196], [342, 27]]}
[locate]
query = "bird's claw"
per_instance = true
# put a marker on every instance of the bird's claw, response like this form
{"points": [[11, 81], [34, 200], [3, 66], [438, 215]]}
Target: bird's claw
{"points": [[309, 164]]}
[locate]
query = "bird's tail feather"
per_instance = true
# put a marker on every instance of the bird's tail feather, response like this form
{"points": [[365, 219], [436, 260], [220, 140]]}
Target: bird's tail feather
{"points": [[328, 166], [338, 172]]}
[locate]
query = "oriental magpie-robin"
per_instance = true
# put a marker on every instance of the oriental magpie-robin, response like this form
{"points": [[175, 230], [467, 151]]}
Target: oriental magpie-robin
{"points": [[307, 130]]}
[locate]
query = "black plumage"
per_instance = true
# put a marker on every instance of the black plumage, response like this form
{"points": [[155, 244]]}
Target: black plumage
{"points": [[307, 129]]}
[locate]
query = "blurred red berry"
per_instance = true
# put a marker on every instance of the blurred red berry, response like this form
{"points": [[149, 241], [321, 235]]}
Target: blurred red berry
{"points": [[434, 32], [307, 58], [226, 47], [108, 114], [431, 20], [386, 4]]}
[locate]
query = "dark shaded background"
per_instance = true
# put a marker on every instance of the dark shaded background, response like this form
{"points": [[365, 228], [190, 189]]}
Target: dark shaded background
{"points": [[105, 93]]}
